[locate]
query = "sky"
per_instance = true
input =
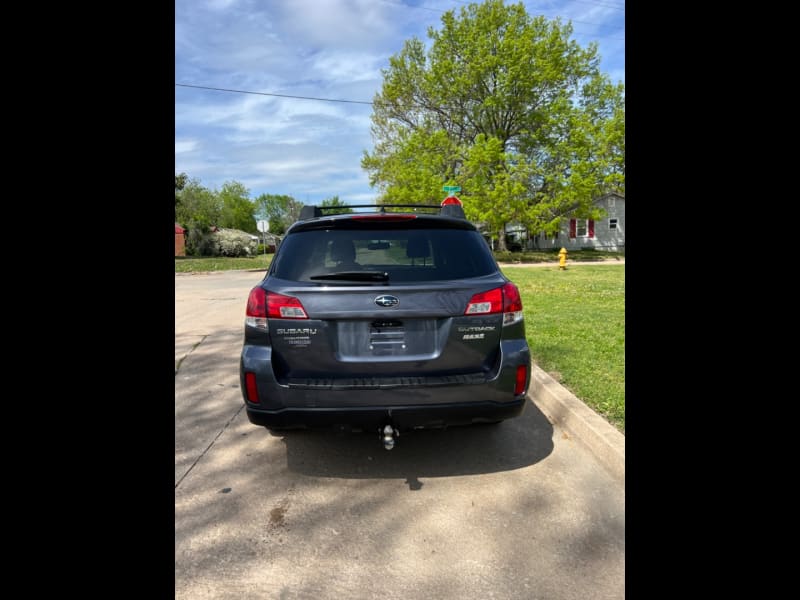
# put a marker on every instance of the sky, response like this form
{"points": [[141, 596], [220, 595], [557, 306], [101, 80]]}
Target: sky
{"points": [[333, 49]]}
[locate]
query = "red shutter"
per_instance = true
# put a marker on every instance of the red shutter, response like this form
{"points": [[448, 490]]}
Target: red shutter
{"points": [[573, 227], [591, 228]]}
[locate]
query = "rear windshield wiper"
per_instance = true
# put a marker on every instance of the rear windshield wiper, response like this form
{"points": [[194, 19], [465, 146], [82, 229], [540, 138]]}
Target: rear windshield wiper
{"points": [[354, 276]]}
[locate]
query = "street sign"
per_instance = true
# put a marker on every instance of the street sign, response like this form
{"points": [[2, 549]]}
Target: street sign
{"points": [[451, 189], [263, 226]]}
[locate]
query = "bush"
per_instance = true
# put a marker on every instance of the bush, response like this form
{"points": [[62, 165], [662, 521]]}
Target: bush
{"points": [[232, 242], [199, 243]]}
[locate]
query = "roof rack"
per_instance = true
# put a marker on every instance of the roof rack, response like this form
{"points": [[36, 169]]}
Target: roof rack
{"points": [[447, 210]]}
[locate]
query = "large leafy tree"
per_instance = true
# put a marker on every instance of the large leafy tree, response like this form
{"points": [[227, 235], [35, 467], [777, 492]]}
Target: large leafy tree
{"points": [[197, 206], [280, 210], [509, 107], [238, 211], [197, 209], [334, 201]]}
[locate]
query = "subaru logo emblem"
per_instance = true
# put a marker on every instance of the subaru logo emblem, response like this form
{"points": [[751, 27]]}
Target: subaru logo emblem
{"points": [[386, 301]]}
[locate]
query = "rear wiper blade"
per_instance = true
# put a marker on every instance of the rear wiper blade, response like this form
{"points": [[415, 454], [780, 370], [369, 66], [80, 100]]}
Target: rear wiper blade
{"points": [[354, 276]]}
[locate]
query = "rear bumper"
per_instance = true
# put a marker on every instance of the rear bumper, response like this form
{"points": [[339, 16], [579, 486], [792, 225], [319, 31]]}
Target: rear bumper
{"points": [[374, 417], [403, 402]]}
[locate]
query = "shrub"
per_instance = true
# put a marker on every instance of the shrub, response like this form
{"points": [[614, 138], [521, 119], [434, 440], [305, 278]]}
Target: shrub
{"points": [[200, 243], [232, 242]]}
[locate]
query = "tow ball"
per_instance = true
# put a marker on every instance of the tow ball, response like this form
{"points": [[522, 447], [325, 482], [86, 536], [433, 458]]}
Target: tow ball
{"points": [[388, 436]]}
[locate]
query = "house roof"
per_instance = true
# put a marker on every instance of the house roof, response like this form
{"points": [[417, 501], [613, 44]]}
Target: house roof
{"points": [[179, 229], [618, 195]]}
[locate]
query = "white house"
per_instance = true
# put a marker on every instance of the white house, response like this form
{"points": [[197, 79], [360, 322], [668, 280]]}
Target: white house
{"points": [[607, 233]]}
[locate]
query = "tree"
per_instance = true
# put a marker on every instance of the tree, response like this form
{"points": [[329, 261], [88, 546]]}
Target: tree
{"points": [[334, 201], [198, 206], [508, 107], [238, 211], [180, 183], [280, 210], [198, 210]]}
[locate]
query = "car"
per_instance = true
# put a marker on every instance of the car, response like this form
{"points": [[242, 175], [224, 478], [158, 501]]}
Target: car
{"points": [[390, 319]]}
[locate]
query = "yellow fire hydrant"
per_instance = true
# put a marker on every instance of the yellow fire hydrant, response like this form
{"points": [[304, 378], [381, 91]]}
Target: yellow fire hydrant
{"points": [[562, 259]]}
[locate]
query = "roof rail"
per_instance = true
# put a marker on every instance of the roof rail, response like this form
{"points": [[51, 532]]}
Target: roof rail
{"points": [[448, 210]]}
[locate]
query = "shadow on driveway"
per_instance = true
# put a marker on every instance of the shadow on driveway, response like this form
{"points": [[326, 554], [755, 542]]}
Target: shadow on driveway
{"points": [[466, 450]]}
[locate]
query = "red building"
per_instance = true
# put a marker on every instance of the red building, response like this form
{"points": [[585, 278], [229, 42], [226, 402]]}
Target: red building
{"points": [[180, 240]]}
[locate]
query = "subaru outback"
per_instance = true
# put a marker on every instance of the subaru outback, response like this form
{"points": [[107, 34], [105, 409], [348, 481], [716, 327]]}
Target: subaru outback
{"points": [[384, 320]]}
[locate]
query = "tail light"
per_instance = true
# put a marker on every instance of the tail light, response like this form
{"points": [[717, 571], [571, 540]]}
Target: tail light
{"points": [[486, 303], [504, 299], [284, 307], [512, 305], [522, 375], [262, 305]]}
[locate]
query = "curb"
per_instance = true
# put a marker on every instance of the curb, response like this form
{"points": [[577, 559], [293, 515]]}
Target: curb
{"points": [[562, 408]]}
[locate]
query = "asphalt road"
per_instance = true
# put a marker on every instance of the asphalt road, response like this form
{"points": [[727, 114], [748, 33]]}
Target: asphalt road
{"points": [[516, 510]]}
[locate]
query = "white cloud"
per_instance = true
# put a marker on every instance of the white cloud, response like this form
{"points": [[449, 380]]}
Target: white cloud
{"points": [[220, 4], [185, 146], [334, 24]]}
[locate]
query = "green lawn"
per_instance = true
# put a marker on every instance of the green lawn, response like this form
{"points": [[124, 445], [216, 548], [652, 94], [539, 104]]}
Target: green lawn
{"points": [[575, 324], [189, 264]]}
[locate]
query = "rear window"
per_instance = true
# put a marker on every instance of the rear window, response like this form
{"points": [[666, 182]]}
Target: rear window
{"points": [[408, 255]]}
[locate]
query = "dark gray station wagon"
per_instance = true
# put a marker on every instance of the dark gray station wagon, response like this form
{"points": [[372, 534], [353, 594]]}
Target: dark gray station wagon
{"points": [[384, 321]]}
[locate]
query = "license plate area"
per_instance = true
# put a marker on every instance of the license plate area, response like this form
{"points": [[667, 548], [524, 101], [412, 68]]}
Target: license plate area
{"points": [[387, 338]]}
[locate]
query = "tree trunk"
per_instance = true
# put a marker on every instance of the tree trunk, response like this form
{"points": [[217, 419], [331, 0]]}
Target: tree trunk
{"points": [[501, 239]]}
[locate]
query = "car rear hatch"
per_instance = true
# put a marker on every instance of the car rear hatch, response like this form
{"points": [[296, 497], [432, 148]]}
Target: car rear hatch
{"points": [[348, 334], [384, 304]]}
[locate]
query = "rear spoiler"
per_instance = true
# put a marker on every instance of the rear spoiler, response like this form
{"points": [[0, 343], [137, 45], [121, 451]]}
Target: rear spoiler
{"points": [[448, 210]]}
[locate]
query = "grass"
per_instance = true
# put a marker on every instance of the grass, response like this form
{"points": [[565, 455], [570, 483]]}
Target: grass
{"points": [[190, 264], [575, 324]]}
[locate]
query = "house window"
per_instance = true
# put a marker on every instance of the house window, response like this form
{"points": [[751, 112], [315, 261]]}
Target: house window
{"points": [[612, 223], [581, 228], [611, 201]]}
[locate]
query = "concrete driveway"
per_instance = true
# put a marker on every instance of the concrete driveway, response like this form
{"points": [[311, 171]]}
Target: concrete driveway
{"points": [[516, 510]]}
